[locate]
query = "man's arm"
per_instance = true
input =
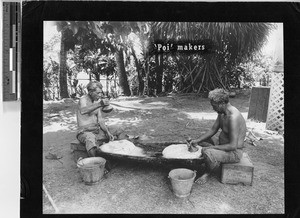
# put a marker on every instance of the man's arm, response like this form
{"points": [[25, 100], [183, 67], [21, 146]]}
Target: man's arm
{"points": [[214, 129], [233, 130], [103, 126], [86, 109]]}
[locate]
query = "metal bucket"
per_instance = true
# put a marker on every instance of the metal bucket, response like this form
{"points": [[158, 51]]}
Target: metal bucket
{"points": [[91, 169], [182, 181]]}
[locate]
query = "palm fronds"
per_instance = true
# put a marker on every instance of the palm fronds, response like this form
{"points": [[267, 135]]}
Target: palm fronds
{"points": [[232, 43]]}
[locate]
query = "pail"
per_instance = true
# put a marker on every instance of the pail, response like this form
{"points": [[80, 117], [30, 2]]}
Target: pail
{"points": [[91, 169], [182, 181]]}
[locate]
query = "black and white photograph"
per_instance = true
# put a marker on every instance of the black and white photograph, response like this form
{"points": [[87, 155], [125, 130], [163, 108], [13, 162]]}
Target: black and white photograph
{"points": [[163, 117]]}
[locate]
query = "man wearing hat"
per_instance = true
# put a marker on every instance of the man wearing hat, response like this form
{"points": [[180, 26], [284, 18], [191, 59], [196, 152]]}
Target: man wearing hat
{"points": [[91, 125]]}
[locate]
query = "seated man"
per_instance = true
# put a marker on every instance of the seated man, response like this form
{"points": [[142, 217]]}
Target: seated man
{"points": [[91, 125], [231, 139]]}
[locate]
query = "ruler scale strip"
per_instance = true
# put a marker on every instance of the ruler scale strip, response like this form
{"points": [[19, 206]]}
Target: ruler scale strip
{"points": [[13, 38], [11, 50], [18, 15]]}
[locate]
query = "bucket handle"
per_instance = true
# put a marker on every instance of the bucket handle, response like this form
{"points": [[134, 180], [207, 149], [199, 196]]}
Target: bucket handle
{"points": [[79, 159], [195, 171]]}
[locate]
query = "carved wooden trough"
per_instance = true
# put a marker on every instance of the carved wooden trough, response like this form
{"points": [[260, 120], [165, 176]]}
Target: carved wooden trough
{"points": [[153, 151]]}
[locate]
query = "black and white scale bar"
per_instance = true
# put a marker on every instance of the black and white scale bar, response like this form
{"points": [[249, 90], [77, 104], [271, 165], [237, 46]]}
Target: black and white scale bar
{"points": [[11, 50]]}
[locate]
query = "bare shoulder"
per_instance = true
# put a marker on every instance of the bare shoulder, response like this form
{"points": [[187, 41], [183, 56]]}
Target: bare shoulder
{"points": [[235, 111], [236, 115], [238, 118]]}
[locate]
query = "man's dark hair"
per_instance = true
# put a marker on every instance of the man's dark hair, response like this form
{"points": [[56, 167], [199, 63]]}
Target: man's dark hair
{"points": [[219, 96], [91, 86]]}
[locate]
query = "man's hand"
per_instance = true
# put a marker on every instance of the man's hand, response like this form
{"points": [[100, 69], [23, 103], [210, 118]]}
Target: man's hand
{"points": [[110, 136], [194, 143], [103, 102], [192, 147]]}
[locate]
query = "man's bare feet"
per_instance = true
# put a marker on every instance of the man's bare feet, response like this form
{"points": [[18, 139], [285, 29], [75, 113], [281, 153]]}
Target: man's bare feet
{"points": [[202, 179]]}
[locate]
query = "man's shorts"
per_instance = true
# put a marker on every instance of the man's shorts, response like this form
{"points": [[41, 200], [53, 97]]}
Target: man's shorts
{"points": [[97, 137], [214, 157]]}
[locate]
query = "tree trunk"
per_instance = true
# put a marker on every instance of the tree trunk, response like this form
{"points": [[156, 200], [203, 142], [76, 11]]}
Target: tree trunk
{"points": [[97, 76], [123, 81], [159, 72], [63, 84], [107, 88], [140, 76], [147, 71]]}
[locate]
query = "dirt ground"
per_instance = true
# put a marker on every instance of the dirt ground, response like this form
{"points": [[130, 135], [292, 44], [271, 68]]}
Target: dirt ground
{"points": [[137, 188]]}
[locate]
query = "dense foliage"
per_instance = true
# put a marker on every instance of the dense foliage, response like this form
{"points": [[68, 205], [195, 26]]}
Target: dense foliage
{"points": [[121, 51]]}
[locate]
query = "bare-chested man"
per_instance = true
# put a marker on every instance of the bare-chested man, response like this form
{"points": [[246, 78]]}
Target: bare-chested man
{"points": [[231, 139], [91, 125]]}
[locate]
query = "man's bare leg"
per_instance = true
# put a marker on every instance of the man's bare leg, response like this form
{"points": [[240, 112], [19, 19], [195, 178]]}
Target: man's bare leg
{"points": [[210, 166], [92, 152]]}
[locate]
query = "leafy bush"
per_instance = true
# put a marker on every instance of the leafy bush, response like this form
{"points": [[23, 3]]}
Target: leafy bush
{"points": [[81, 90], [252, 72], [50, 80], [171, 74]]}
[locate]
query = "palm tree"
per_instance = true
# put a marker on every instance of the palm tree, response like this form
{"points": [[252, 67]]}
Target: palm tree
{"points": [[67, 42], [113, 32], [117, 33], [123, 80], [231, 43], [139, 71], [139, 43], [159, 61]]}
